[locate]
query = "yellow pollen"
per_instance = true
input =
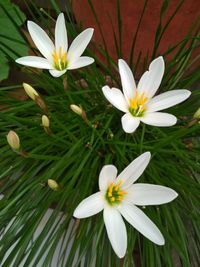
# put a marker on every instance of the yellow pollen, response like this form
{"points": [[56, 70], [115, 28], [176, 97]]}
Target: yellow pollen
{"points": [[114, 194], [60, 58], [118, 186], [55, 57], [138, 103]]}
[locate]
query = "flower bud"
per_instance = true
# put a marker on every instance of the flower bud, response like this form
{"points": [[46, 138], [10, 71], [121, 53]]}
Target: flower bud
{"points": [[31, 92], [13, 140], [76, 109], [53, 184], [197, 114], [45, 121]]}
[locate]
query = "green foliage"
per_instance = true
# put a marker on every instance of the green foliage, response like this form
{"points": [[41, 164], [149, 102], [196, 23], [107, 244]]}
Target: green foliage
{"points": [[12, 44], [74, 154]]}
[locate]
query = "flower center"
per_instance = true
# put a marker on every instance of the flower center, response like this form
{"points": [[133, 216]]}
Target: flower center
{"points": [[114, 195], [60, 59], [138, 104]]}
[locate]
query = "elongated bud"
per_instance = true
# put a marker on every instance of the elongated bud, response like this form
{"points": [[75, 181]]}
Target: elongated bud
{"points": [[13, 140], [76, 109], [53, 184], [197, 114], [45, 121], [31, 92]]}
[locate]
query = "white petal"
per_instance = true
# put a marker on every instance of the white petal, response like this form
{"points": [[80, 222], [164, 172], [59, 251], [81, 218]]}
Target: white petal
{"points": [[41, 40], [127, 79], [167, 99], [134, 170], [61, 34], [115, 97], [90, 206], [57, 73], [36, 62], [116, 230], [129, 123], [79, 45], [80, 62], [107, 175], [150, 80], [149, 194], [159, 119], [142, 223]]}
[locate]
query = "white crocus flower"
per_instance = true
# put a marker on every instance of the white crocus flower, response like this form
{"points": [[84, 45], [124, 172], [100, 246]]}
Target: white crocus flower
{"points": [[139, 102], [58, 58], [118, 196]]}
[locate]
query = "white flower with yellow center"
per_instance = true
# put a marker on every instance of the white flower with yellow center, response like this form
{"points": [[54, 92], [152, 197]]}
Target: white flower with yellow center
{"points": [[139, 102], [118, 197], [58, 58]]}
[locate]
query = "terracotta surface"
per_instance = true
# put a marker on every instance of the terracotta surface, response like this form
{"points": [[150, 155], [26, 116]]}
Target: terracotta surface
{"points": [[130, 13]]}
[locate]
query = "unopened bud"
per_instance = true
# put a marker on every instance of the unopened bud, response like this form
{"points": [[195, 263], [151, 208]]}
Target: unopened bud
{"points": [[197, 114], [31, 92], [45, 121], [13, 140], [53, 184], [76, 109]]}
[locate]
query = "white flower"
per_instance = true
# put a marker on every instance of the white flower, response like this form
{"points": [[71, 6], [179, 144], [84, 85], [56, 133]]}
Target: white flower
{"points": [[139, 102], [119, 196], [58, 58]]}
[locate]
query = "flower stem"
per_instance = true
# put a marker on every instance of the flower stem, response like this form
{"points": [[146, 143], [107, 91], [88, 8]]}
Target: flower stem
{"points": [[142, 138]]}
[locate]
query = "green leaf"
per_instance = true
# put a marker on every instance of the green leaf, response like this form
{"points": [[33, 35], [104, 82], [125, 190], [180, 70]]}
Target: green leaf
{"points": [[12, 43]]}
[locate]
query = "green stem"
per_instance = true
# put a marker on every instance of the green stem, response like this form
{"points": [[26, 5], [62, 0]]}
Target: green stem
{"points": [[142, 138]]}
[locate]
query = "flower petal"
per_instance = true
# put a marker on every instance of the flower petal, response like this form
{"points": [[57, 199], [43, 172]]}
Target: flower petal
{"points": [[107, 175], [167, 99], [90, 206], [61, 34], [142, 223], [36, 62], [129, 123], [149, 194], [150, 80], [116, 230], [79, 45], [41, 40], [160, 119], [127, 79], [57, 73], [115, 97], [80, 62], [134, 170]]}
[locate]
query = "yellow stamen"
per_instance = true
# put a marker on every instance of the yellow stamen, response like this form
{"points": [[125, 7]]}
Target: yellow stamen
{"points": [[137, 104], [112, 199], [141, 100], [118, 185], [55, 57], [109, 194], [60, 58], [110, 188], [64, 57]]}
